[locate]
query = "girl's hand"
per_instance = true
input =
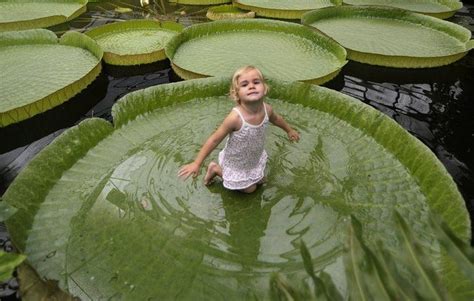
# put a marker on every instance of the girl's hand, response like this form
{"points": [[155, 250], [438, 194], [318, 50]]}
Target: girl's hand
{"points": [[293, 135], [187, 170]]}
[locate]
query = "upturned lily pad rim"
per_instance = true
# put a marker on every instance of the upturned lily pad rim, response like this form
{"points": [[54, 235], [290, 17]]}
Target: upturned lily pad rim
{"points": [[432, 177], [46, 21], [44, 36], [130, 25], [454, 6], [460, 33], [277, 13], [229, 11], [220, 26]]}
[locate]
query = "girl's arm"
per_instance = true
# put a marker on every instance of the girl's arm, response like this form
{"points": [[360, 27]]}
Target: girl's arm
{"points": [[277, 120], [229, 124]]}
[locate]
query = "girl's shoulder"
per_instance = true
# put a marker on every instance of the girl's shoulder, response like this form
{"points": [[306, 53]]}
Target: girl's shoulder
{"points": [[269, 108], [233, 119]]}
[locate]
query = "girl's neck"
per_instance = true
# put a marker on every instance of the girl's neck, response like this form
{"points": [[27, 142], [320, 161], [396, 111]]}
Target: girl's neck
{"points": [[252, 107]]}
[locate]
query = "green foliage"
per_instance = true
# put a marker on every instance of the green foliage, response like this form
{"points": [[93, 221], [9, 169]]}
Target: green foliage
{"points": [[8, 263], [379, 272]]}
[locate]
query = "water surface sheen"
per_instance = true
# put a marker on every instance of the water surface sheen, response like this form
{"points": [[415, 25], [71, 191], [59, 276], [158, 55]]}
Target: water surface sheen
{"points": [[208, 242]]}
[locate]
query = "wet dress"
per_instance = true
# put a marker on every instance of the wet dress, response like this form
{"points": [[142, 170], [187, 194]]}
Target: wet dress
{"points": [[243, 158]]}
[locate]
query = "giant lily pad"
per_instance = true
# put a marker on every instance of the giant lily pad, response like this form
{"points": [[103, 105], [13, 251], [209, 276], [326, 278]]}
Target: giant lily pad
{"points": [[392, 37], [40, 71], [27, 14], [134, 42], [284, 9], [102, 211], [280, 49], [437, 8]]}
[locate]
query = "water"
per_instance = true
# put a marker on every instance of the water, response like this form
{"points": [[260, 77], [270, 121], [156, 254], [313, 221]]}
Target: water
{"points": [[435, 105]]}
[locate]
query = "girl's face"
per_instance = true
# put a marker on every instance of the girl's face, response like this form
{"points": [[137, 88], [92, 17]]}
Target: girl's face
{"points": [[250, 87]]}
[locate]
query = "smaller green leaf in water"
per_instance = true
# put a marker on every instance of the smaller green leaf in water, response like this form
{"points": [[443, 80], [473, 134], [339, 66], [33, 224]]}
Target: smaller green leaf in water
{"points": [[8, 263], [123, 10]]}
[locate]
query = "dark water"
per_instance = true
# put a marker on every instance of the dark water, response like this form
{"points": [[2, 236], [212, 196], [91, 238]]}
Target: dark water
{"points": [[435, 105]]}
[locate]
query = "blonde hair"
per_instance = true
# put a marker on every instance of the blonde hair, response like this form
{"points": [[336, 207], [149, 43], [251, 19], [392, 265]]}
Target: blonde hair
{"points": [[234, 86]]}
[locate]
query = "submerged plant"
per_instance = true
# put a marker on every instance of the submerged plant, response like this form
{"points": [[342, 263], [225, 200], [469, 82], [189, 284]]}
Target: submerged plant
{"points": [[385, 273]]}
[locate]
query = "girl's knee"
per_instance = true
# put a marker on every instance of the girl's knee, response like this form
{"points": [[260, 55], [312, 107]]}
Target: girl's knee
{"points": [[250, 189]]}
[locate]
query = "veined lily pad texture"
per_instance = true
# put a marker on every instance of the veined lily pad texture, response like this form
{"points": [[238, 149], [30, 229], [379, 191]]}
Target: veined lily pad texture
{"points": [[102, 210], [280, 49], [134, 42], [392, 37], [40, 71], [27, 14], [437, 8], [222, 12], [284, 9]]}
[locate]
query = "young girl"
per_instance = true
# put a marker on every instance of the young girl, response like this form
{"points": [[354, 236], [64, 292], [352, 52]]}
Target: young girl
{"points": [[243, 159]]}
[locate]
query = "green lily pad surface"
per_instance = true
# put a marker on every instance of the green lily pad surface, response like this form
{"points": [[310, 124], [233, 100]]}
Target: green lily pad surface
{"points": [[392, 37], [222, 12], [437, 8], [40, 71], [134, 42], [27, 14], [280, 49], [283, 9], [102, 210]]}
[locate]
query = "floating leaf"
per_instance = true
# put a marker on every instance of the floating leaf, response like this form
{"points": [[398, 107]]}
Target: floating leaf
{"points": [[101, 210], [134, 42], [392, 37], [123, 10], [222, 12], [53, 70], [280, 49], [8, 263], [437, 8], [283, 9], [20, 15]]}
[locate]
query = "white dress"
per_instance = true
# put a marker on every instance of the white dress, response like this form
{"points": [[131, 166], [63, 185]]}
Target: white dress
{"points": [[243, 158]]}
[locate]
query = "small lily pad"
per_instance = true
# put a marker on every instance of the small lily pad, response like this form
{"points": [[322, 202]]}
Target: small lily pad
{"points": [[134, 42], [284, 9], [19, 15], [227, 12], [392, 37], [40, 71], [437, 8], [281, 49]]}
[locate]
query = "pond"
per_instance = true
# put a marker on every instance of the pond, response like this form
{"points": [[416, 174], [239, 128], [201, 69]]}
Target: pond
{"points": [[435, 105]]}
